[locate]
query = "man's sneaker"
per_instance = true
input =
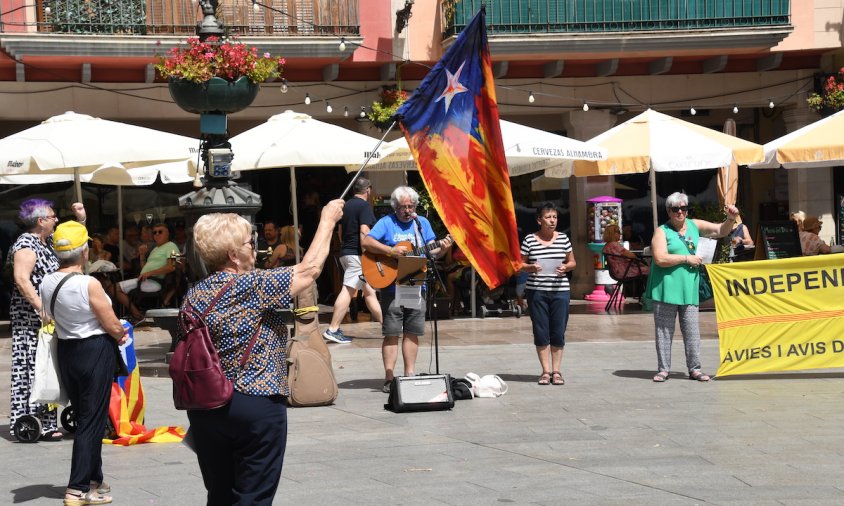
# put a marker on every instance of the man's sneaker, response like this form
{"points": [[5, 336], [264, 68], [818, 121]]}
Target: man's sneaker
{"points": [[336, 336]]}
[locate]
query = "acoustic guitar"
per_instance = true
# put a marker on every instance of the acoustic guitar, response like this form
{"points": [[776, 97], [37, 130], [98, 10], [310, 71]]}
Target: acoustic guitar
{"points": [[380, 270]]}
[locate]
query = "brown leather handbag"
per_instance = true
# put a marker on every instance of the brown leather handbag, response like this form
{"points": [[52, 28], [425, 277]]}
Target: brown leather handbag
{"points": [[309, 372]]}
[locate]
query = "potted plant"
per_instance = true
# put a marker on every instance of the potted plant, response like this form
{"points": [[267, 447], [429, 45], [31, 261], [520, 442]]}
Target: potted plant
{"points": [[216, 75], [390, 98], [830, 98]]}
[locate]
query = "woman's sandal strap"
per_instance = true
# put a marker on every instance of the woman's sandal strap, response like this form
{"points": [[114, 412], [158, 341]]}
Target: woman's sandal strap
{"points": [[557, 378], [661, 377]]}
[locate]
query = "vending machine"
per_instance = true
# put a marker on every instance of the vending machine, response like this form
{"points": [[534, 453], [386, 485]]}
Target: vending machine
{"points": [[601, 211]]}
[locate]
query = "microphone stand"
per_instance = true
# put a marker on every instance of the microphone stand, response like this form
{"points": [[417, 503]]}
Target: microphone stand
{"points": [[434, 277]]}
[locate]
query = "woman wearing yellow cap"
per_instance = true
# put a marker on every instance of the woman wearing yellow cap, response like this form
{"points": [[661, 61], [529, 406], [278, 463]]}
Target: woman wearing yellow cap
{"points": [[87, 329]]}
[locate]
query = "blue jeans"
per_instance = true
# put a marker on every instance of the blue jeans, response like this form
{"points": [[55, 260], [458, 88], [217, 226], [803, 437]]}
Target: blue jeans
{"points": [[549, 315]]}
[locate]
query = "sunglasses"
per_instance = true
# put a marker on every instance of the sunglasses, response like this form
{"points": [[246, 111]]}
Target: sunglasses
{"points": [[677, 209], [156, 232]]}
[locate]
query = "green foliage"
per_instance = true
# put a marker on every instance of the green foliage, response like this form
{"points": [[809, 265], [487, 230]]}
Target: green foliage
{"points": [[831, 98], [389, 100], [713, 212], [429, 211]]}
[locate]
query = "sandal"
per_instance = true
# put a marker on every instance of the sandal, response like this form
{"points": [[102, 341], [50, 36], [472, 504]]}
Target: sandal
{"points": [[544, 379], [101, 487], [661, 377], [79, 498], [52, 437], [557, 378], [696, 375]]}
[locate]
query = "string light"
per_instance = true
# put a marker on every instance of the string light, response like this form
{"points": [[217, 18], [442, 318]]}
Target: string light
{"points": [[530, 98], [342, 44], [362, 111], [770, 104], [585, 106], [692, 111], [283, 85], [47, 10], [328, 108], [255, 7], [735, 109], [307, 99], [346, 111]]}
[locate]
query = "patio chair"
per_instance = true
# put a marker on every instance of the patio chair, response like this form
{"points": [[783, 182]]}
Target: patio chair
{"points": [[623, 270]]}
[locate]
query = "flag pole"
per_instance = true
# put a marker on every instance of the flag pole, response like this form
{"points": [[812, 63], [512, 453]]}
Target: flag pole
{"points": [[369, 157]]}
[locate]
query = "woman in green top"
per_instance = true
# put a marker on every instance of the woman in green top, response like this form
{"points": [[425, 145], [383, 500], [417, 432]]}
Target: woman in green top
{"points": [[674, 279]]}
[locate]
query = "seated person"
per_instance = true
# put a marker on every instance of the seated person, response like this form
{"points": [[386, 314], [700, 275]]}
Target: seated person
{"points": [[810, 242], [633, 239], [618, 267], [154, 269], [455, 263], [284, 254], [740, 237]]}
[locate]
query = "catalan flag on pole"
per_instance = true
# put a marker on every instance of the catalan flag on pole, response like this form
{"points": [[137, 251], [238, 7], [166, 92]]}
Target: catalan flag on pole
{"points": [[452, 128], [126, 407]]}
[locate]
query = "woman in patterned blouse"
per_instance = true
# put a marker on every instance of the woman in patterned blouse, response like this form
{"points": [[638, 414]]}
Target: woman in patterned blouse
{"points": [[32, 258], [240, 446]]}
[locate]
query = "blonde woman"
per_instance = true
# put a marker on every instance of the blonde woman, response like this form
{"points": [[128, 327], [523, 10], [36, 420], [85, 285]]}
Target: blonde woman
{"points": [[240, 447], [284, 254]]}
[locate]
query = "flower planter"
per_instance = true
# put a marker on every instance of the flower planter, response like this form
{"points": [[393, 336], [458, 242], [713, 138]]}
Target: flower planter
{"points": [[214, 95]]}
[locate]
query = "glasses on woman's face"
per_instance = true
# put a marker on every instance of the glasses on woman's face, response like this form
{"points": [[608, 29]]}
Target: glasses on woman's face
{"points": [[253, 241], [51, 217], [677, 209]]}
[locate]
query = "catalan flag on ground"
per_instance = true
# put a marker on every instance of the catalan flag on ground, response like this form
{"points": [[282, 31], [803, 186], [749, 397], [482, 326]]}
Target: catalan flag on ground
{"points": [[452, 128], [126, 407]]}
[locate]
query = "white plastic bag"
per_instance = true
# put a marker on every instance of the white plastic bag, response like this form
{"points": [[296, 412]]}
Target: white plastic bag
{"points": [[490, 385], [47, 387]]}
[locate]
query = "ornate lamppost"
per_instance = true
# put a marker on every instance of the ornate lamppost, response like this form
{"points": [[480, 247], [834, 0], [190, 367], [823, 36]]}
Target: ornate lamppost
{"points": [[213, 100]]}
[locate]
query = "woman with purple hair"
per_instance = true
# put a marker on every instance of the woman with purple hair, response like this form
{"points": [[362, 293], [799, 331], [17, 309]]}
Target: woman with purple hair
{"points": [[32, 258]]}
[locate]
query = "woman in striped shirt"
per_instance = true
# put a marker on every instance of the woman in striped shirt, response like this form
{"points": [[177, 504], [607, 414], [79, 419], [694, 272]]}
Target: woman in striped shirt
{"points": [[549, 256]]}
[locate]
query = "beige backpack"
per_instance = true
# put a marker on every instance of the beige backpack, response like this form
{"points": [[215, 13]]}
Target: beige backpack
{"points": [[309, 372]]}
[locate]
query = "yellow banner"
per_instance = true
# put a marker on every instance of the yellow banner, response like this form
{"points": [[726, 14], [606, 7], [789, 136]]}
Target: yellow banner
{"points": [[780, 315]]}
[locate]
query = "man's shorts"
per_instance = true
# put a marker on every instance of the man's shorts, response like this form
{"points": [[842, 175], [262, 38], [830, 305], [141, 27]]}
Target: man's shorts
{"points": [[399, 321], [352, 271], [147, 285]]}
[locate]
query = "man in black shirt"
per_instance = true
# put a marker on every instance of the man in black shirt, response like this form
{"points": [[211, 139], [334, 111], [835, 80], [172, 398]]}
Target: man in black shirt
{"points": [[358, 218]]}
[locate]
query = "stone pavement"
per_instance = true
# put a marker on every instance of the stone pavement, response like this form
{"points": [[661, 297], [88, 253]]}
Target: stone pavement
{"points": [[609, 436]]}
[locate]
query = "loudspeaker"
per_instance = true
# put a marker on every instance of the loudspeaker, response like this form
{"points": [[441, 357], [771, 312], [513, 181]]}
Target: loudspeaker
{"points": [[420, 393]]}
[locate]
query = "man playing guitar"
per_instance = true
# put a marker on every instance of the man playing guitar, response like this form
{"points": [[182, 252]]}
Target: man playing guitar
{"points": [[403, 226]]}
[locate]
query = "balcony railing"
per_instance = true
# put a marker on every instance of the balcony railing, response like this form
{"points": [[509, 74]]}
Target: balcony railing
{"points": [[179, 17], [596, 16]]}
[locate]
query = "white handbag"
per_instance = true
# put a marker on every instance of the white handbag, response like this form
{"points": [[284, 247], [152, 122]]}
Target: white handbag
{"points": [[490, 385], [46, 387]]}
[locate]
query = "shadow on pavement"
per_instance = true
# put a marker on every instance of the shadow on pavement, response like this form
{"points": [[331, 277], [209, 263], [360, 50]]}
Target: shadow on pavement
{"points": [[31, 492], [645, 374], [362, 384]]}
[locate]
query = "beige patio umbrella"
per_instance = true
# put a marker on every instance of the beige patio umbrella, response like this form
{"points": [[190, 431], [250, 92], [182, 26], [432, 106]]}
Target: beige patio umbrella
{"points": [[728, 175], [655, 142], [819, 144]]}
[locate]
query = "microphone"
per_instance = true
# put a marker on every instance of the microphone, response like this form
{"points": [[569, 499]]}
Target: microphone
{"points": [[416, 219]]}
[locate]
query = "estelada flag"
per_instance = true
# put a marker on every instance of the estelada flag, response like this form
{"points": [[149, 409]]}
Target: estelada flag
{"points": [[452, 128], [126, 406]]}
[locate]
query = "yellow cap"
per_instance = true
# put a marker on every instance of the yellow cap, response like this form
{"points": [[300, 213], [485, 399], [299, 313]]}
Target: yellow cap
{"points": [[69, 236]]}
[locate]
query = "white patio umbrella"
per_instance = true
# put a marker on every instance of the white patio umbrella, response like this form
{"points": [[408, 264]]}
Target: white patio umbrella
{"points": [[819, 144], [655, 142], [295, 140], [74, 143], [527, 150]]}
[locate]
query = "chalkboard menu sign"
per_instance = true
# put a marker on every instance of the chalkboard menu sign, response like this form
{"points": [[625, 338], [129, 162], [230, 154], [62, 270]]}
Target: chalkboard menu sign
{"points": [[777, 239]]}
